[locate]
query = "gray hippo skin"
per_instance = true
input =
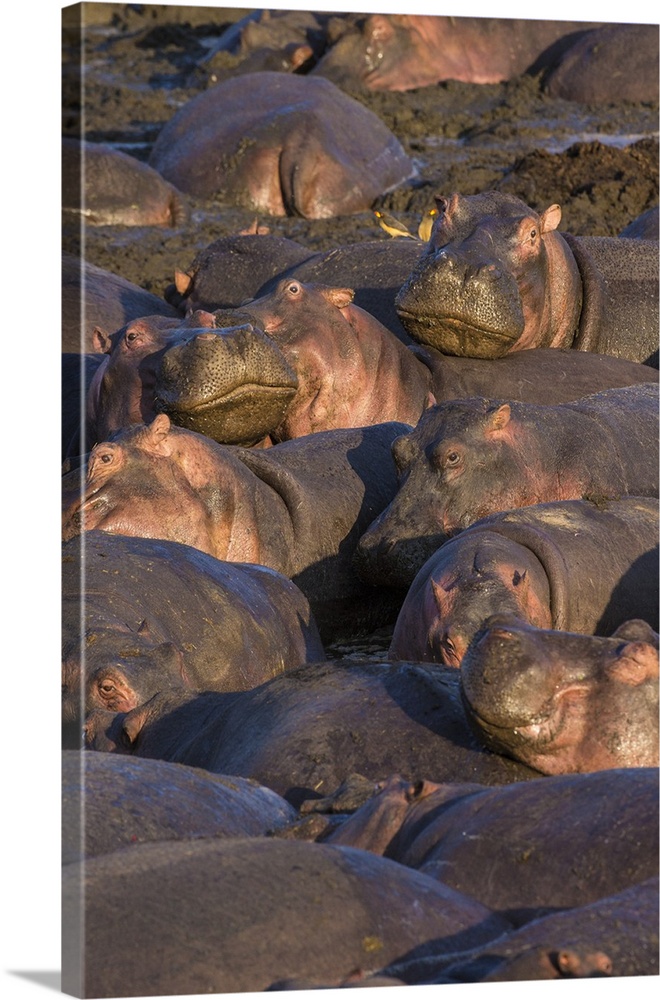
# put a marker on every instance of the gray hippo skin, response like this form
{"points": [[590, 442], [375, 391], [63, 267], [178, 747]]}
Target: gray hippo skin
{"points": [[597, 68], [575, 566], [644, 227], [613, 936], [128, 801], [303, 734], [227, 369], [298, 508], [349, 369], [474, 457], [236, 915], [562, 702], [498, 277], [512, 847], [140, 615], [94, 297], [286, 145], [405, 51], [118, 189]]}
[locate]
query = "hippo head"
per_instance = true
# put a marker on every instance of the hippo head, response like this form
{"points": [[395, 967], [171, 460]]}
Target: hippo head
{"points": [[116, 670], [562, 702], [234, 384], [485, 285]]}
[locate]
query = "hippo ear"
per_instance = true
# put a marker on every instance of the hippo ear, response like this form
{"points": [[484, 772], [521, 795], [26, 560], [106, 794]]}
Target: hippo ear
{"points": [[134, 722], [550, 218], [636, 663], [498, 419], [159, 427], [182, 282], [101, 341], [339, 297], [636, 630]]}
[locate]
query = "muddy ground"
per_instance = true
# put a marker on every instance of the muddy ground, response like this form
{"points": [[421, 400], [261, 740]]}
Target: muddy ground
{"points": [[142, 62]]}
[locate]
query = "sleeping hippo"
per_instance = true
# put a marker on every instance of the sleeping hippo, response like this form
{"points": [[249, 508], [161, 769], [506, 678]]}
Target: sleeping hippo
{"points": [[405, 51], [298, 508], [282, 144], [469, 458], [349, 369], [237, 914], [154, 613], [111, 188], [498, 277], [562, 702], [572, 565], [305, 732], [511, 846]]}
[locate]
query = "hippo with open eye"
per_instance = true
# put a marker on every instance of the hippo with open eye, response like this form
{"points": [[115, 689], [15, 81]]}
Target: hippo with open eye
{"points": [[283, 144], [469, 458], [562, 702], [498, 277]]}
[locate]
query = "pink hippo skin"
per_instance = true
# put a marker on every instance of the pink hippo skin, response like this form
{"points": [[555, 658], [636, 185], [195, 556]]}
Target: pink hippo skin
{"points": [[405, 51], [570, 565], [299, 508], [498, 277], [562, 702]]}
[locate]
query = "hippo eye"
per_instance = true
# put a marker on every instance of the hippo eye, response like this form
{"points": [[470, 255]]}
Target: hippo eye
{"points": [[293, 288], [532, 234], [452, 458], [106, 687], [106, 457]]}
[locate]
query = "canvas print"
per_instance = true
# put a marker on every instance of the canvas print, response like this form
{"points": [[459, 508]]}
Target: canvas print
{"points": [[360, 499]]}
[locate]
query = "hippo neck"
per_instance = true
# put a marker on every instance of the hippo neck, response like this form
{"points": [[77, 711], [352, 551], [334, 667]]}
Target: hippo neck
{"points": [[560, 316], [251, 520]]}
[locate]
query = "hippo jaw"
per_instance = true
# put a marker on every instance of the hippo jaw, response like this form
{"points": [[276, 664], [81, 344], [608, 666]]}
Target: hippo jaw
{"points": [[458, 311], [234, 387]]}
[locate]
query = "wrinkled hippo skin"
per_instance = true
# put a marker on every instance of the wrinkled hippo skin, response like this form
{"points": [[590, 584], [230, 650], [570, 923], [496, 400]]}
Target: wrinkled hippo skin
{"points": [[239, 914], [524, 836], [118, 189], [352, 371], [597, 68], [93, 297], [282, 144], [129, 801], [156, 613], [470, 458], [498, 277], [644, 227], [236, 268], [573, 565], [302, 734], [299, 508], [613, 936], [562, 702], [200, 376], [405, 51]]}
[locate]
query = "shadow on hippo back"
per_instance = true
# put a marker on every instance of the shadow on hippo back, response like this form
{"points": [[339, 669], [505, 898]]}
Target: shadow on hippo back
{"points": [[498, 277]]}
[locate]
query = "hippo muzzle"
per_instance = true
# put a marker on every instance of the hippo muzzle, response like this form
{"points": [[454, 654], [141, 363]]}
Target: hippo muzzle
{"points": [[233, 385]]}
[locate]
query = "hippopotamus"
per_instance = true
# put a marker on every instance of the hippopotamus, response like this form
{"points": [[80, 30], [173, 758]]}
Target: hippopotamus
{"points": [[510, 846], [282, 144], [156, 613], [596, 68], [469, 458], [124, 805], [645, 227], [235, 915], [111, 188], [562, 702], [572, 565], [304, 732], [93, 297], [613, 936], [78, 372], [498, 277], [406, 51], [225, 369], [299, 507]]}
